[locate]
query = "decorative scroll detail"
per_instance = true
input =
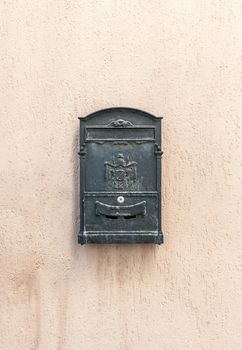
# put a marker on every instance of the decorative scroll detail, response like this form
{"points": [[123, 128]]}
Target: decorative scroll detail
{"points": [[120, 173], [139, 142], [120, 123], [99, 142], [125, 143]]}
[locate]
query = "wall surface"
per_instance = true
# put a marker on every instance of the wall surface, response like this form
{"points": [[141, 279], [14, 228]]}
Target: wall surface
{"points": [[62, 59]]}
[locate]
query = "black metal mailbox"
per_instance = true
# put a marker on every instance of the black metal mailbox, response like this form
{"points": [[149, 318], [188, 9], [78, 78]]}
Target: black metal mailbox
{"points": [[120, 175]]}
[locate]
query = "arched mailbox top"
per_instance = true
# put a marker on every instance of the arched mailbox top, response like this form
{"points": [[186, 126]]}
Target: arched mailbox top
{"points": [[120, 124], [123, 111]]}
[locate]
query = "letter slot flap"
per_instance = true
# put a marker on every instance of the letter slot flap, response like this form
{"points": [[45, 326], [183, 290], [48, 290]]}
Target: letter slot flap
{"points": [[126, 211], [120, 177]]}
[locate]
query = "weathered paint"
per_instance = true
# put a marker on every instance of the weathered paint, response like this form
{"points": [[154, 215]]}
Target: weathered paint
{"points": [[65, 59]]}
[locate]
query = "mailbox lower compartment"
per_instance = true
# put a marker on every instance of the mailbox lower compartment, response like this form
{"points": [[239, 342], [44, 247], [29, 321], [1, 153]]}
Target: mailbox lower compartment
{"points": [[120, 218]]}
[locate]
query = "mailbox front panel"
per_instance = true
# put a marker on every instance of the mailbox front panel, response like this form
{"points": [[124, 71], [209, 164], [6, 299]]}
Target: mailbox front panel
{"points": [[120, 201]]}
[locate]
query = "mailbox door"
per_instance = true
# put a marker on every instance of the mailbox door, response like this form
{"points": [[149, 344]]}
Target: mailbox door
{"points": [[120, 177]]}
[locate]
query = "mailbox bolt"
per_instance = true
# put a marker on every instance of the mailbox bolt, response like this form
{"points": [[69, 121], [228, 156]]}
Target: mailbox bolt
{"points": [[120, 199]]}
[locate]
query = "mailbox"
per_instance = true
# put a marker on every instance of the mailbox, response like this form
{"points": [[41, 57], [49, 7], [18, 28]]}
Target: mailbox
{"points": [[120, 177]]}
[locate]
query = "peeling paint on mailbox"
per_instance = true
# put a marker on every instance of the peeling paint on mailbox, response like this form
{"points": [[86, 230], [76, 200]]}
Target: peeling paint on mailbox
{"points": [[120, 177]]}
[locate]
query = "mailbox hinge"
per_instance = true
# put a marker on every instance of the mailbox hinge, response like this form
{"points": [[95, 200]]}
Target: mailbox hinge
{"points": [[158, 151], [82, 151]]}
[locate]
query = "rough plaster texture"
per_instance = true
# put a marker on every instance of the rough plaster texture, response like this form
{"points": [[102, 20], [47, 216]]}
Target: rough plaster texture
{"points": [[63, 59]]}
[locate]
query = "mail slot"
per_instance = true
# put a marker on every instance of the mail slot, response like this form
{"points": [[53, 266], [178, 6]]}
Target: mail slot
{"points": [[120, 177]]}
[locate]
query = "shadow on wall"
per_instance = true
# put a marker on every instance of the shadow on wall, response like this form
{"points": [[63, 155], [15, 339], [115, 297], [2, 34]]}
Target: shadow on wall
{"points": [[142, 257]]}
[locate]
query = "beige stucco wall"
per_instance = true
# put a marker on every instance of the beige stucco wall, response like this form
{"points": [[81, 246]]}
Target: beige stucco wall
{"points": [[63, 59]]}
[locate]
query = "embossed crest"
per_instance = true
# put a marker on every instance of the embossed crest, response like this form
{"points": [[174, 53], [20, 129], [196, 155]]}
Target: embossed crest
{"points": [[120, 123], [120, 173]]}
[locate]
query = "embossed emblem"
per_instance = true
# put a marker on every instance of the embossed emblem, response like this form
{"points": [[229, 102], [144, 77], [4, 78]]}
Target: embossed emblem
{"points": [[120, 172], [120, 123]]}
